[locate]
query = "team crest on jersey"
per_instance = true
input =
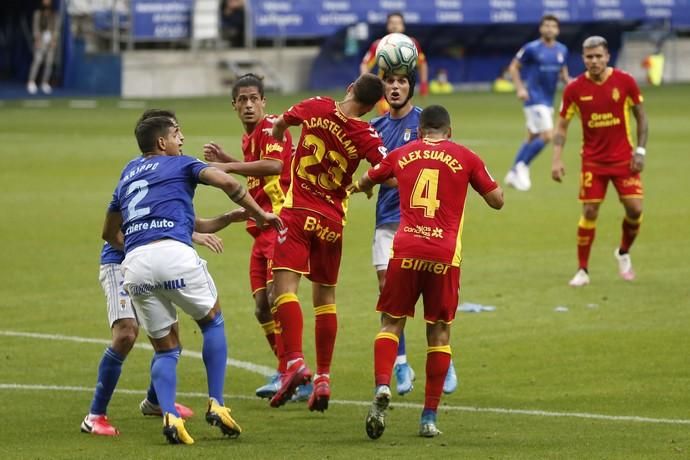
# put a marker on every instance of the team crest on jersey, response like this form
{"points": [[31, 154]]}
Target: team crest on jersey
{"points": [[616, 94], [407, 135], [560, 58]]}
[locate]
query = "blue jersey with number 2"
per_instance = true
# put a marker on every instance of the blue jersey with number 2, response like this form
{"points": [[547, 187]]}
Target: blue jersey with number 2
{"points": [[155, 196]]}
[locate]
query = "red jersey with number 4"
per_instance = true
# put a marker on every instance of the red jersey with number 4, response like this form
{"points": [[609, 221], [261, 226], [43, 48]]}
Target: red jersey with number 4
{"points": [[433, 177], [604, 110], [267, 191], [328, 153]]}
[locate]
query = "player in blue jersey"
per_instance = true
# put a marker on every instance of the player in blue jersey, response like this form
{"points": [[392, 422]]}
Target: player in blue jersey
{"points": [[122, 319], [151, 217], [397, 127], [535, 70]]}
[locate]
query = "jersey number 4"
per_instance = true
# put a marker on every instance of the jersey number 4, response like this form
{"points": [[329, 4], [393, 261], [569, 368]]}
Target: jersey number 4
{"points": [[333, 177], [425, 191]]}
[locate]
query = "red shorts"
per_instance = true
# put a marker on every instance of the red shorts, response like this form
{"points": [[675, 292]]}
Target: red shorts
{"points": [[406, 279], [310, 244], [595, 178], [261, 259]]}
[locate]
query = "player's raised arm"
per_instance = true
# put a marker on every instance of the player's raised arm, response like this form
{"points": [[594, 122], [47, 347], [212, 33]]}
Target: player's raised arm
{"points": [[279, 127], [238, 193], [640, 115], [214, 153], [557, 165]]}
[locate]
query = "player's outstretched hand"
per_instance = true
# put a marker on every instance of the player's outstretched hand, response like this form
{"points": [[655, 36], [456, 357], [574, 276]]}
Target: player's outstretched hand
{"points": [[214, 152], [522, 94], [637, 163], [268, 219], [354, 188], [237, 215], [210, 240], [557, 171]]}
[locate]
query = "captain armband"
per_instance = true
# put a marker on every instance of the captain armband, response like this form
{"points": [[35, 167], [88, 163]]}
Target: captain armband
{"points": [[238, 194]]}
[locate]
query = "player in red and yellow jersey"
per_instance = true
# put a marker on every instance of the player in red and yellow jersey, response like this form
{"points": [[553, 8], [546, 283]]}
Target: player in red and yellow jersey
{"points": [[267, 168], [395, 23], [433, 175], [333, 142], [604, 97]]}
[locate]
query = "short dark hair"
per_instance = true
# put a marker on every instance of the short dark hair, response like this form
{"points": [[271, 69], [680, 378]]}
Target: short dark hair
{"points": [[368, 89], [594, 41], [549, 17], [150, 113], [434, 118], [149, 130], [393, 14], [247, 80]]}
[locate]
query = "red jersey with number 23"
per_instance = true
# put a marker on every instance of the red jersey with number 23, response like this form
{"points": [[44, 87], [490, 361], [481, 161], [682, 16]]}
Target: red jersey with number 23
{"points": [[604, 109], [328, 153], [433, 177]]}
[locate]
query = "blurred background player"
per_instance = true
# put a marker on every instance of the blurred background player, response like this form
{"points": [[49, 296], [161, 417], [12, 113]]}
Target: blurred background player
{"points": [[333, 142], [603, 97], [542, 62], [123, 322], [46, 30], [396, 128], [433, 188], [267, 168], [395, 23], [151, 216]]}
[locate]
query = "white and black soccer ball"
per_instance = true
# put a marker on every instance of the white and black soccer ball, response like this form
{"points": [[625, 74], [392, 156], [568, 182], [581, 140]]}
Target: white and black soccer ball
{"points": [[396, 53]]}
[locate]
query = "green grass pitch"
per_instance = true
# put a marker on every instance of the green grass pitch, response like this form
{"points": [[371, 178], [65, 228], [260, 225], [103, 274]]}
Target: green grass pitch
{"points": [[621, 349]]}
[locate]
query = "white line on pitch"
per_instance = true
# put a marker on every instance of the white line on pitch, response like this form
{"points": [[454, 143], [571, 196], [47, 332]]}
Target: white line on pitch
{"points": [[251, 367], [539, 413]]}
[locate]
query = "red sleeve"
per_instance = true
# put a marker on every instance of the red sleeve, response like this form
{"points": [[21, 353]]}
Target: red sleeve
{"points": [[375, 150], [369, 58], [271, 148], [382, 171], [296, 114], [480, 179], [567, 107], [633, 90]]}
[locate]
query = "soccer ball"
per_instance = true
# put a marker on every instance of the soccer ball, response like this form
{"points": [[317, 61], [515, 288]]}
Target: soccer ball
{"points": [[396, 53]]}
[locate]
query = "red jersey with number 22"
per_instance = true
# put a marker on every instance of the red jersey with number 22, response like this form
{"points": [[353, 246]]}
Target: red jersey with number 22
{"points": [[433, 176], [604, 110], [328, 153]]}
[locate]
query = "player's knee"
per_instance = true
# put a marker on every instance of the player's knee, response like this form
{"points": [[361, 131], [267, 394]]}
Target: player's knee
{"points": [[124, 336], [633, 210], [590, 212]]}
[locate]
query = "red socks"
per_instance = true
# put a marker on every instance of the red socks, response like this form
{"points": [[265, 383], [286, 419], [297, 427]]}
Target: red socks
{"points": [[385, 352], [325, 331], [631, 227], [288, 314], [437, 363], [585, 238]]}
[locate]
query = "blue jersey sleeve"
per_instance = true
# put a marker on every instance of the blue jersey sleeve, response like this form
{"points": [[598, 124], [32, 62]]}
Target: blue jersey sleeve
{"points": [[114, 205], [193, 167], [524, 55]]}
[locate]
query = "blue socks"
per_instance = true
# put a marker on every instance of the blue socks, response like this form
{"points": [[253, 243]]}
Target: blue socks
{"points": [[215, 355], [401, 344], [164, 378], [109, 371], [529, 150]]}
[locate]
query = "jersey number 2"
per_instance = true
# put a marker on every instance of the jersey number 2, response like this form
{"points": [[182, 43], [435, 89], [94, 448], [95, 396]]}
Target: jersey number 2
{"points": [[142, 189], [425, 191]]}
